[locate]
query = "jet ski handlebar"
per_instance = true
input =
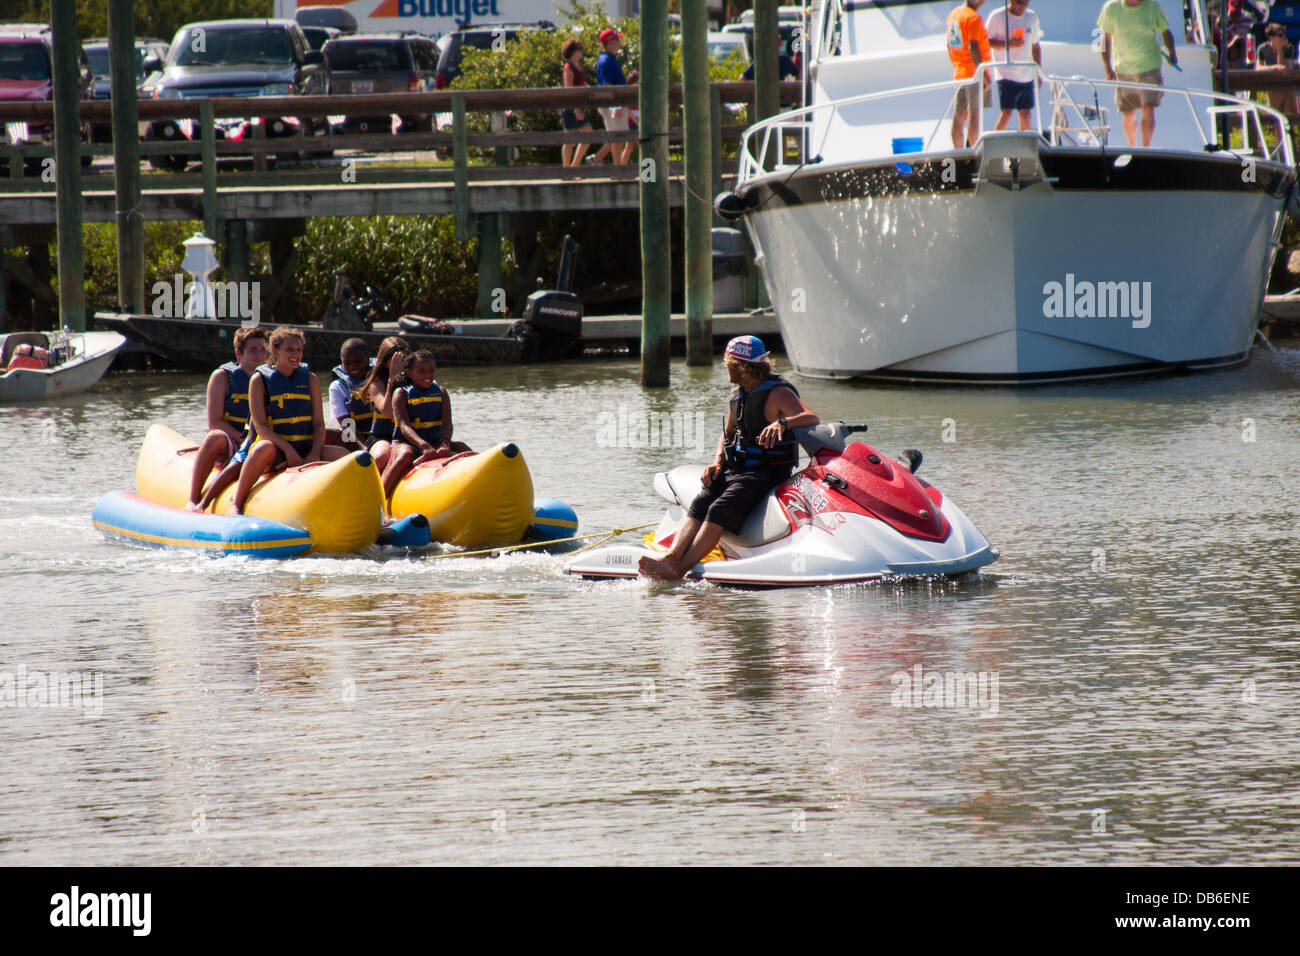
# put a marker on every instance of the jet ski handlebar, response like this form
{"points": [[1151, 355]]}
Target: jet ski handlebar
{"points": [[832, 435]]}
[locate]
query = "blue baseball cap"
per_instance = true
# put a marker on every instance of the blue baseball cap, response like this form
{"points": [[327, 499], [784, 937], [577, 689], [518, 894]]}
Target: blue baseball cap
{"points": [[747, 348]]}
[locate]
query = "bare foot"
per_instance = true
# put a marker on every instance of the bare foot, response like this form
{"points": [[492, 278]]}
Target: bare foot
{"points": [[657, 568], [193, 506]]}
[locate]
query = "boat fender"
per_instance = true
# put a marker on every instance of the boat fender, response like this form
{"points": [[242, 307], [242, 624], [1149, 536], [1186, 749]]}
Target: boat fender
{"points": [[409, 532], [731, 206], [552, 520]]}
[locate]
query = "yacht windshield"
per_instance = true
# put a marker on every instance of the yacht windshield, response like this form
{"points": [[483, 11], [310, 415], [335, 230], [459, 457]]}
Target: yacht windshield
{"points": [[1064, 21]]}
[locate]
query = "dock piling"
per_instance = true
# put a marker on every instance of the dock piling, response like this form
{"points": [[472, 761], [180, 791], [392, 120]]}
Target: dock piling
{"points": [[208, 135], [126, 155], [67, 165], [699, 177], [656, 258]]}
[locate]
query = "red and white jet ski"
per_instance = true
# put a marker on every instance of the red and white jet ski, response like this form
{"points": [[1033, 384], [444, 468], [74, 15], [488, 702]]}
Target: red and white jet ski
{"points": [[852, 514]]}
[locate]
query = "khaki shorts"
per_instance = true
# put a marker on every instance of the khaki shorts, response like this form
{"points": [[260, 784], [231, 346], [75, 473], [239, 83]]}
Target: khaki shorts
{"points": [[968, 98], [1127, 100], [615, 117]]}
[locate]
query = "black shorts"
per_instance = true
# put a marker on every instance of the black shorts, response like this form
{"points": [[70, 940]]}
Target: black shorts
{"points": [[1013, 95], [571, 122], [732, 498]]}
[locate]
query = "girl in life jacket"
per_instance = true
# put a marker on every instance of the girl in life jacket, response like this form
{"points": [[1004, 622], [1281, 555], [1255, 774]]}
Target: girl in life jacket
{"points": [[227, 404], [284, 401], [386, 376], [349, 402], [422, 411]]}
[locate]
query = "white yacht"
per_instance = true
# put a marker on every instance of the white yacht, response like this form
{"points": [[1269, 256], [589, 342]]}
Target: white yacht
{"points": [[1055, 253]]}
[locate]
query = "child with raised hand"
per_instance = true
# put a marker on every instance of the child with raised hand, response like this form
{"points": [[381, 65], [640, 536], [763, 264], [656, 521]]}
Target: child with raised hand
{"points": [[284, 401], [422, 411], [386, 376], [227, 405]]}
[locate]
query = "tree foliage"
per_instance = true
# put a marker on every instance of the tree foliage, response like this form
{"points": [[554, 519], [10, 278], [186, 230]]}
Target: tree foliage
{"points": [[153, 19]]}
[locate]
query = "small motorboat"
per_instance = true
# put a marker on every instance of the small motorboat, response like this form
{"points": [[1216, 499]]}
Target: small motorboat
{"points": [[35, 366], [852, 514]]}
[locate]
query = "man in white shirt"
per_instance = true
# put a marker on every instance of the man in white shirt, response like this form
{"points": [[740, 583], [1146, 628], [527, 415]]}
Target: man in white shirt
{"points": [[1015, 83]]}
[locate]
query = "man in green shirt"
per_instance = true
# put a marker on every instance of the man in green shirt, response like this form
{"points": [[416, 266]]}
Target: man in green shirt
{"points": [[1129, 29]]}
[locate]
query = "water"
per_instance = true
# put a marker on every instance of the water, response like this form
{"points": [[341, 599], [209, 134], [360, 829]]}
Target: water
{"points": [[1141, 625]]}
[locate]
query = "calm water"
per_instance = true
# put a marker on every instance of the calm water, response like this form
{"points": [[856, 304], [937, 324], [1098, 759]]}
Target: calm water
{"points": [[1142, 626]]}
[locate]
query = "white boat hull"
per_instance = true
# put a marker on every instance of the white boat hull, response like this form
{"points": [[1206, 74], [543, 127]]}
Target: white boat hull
{"points": [[957, 285], [76, 375]]}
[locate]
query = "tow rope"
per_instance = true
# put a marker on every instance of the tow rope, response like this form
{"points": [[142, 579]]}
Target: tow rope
{"points": [[603, 535]]}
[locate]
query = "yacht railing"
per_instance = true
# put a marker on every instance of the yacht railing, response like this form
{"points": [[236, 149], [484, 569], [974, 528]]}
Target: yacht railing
{"points": [[1223, 123]]}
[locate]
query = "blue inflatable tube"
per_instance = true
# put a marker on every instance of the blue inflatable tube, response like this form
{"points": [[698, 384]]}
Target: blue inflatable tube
{"points": [[409, 532], [128, 517]]}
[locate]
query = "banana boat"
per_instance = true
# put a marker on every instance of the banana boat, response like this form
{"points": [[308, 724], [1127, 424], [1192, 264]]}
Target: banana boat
{"points": [[471, 499], [339, 503]]}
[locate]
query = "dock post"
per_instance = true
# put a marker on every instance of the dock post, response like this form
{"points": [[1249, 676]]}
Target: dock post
{"points": [[126, 155], [489, 264], [715, 119], [699, 177], [656, 257], [460, 169], [767, 76], [208, 133], [237, 258], [4, 293], [67, 165]]}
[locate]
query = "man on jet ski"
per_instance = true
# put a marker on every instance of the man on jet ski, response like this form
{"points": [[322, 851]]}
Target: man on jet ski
{"points": [[755, 452]]}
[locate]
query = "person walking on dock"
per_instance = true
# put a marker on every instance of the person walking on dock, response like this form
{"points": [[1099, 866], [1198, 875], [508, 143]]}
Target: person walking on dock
{"points": [[1130, 53], [609, 72], [574, 120]]}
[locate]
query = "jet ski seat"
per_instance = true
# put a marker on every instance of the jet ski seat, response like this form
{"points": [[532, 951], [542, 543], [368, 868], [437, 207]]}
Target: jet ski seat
{"points": [[766, 523]]}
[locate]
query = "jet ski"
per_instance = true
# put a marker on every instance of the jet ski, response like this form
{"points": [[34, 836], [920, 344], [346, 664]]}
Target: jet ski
{"points": [[852, 514]]}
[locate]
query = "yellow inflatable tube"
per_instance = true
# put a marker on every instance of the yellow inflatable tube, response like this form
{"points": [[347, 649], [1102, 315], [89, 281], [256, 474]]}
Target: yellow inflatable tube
{"points": [[471, 500], [339, 503]]}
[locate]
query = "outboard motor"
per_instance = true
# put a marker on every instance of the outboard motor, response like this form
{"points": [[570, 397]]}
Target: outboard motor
{"points": [[552, 323]]}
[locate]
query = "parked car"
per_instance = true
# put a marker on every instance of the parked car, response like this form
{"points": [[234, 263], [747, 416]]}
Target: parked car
{"points": [[149, 58], [239, 58], [481, 38], [317, 37], [790, 31], [27, 73], [324, 16], [383, 63], [723, 45]]}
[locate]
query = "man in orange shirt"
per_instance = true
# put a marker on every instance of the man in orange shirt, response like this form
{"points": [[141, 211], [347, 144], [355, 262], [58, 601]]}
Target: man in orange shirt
{"points": [[968, 47]]}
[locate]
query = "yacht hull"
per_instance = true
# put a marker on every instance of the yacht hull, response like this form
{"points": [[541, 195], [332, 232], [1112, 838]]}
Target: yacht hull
{"points": [[926, 270]]}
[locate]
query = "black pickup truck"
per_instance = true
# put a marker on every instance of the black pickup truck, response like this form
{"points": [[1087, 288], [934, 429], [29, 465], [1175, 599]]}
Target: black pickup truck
{"points": [[249, 58]]}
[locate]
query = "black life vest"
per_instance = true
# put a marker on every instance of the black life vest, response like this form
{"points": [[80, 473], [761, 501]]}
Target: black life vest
{"points": [[745, 453]]}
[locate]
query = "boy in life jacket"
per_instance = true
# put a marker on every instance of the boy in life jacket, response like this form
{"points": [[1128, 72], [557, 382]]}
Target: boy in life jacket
{"points": [[755, 453], [284, 402], [349, 403], [422, 411], [227, 404]]}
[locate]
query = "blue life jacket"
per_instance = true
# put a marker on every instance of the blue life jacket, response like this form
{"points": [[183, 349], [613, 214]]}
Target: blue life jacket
{"points": [[745, 453], [288, 405], [359, 409], [381, 426], [424, 408], [235, 409]]}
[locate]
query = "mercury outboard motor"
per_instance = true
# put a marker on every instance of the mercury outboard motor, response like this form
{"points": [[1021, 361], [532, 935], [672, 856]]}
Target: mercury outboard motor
{"points": [[552, 323]]}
